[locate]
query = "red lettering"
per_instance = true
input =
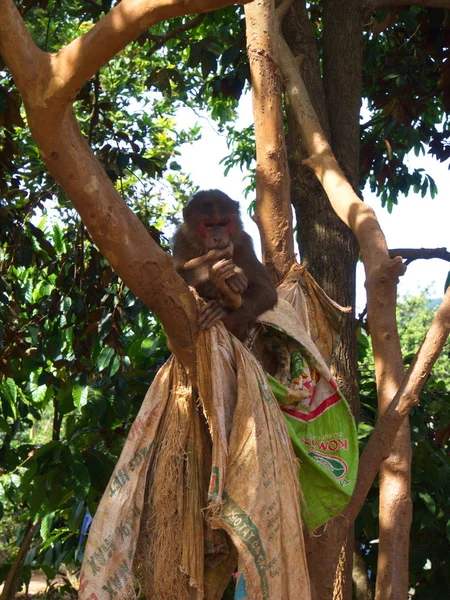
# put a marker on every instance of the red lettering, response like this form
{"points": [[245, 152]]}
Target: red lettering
{"points": [[83, 583]]}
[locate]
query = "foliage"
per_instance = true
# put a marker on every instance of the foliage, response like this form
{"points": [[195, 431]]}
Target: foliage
{"points": [[79, 351], [430, 430], [407, 88]]}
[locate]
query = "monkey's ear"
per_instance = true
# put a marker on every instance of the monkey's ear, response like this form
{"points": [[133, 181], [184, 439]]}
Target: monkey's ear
{"points": [[236, 206], [187, 211]]}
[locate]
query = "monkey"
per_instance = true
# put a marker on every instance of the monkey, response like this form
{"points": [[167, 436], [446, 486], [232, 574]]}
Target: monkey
{"points": [[214, 254]]}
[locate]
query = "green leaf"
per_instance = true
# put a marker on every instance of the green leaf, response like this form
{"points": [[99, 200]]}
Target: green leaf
{"points": [[80, 395], [230, 55], [429, 502], [105, 357], [122, 161], [115, 366], [9, 389], [208, 63], [58, 238], [75, 513], [46, 525]]}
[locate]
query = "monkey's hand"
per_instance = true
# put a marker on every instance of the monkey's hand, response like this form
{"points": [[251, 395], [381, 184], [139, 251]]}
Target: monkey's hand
{"points": [[220, 273], [210, 313], [238, 282], [204, 260], [219, 253]]}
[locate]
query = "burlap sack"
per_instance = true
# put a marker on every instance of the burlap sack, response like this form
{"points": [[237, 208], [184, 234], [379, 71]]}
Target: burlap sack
{"points": [[158, 527]]}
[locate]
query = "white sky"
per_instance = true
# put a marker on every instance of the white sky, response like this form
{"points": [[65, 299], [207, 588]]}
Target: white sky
{"points": [[415, 222]]}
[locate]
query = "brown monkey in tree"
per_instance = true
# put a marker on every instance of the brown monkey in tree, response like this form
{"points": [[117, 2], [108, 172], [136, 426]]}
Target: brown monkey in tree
{"points": [[214, 254]]}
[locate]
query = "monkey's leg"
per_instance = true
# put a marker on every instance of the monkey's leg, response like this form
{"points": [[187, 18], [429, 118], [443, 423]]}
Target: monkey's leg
{"points": [[210, 314]]}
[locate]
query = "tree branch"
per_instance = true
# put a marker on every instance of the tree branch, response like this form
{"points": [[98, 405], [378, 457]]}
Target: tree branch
{"points": [[21, 55], [410, 254], [382, 274], [48, 84], [273, 207], [83, 57], [381, 440], [371, 5], [72, 66]]}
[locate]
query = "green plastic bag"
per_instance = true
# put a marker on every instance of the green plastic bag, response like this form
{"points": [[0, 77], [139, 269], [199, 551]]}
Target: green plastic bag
{"points": [[319, 420]]}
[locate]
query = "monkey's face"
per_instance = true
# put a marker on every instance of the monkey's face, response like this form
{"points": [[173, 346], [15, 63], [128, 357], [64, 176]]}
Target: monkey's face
{"points": [[212, 220], [215, 233]]}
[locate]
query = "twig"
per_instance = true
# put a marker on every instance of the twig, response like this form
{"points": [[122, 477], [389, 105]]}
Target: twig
{"points": [[162, 39], [410, 254]]}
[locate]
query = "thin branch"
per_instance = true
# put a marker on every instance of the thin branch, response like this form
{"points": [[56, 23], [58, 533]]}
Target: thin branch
{"points": [[160, 40], [410, 254], [381, 440], [11, 584], [93, 119], [371, 5]]}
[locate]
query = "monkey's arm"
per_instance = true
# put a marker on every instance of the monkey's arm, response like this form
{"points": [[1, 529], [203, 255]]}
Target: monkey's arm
{"points": [[206, 259], [259, 296]]}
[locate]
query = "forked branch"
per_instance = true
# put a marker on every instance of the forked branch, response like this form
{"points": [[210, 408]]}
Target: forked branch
{"points": [[48, 84], [382, 438]]}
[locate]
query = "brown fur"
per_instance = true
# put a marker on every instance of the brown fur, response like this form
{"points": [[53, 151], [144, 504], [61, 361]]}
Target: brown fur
{"points": [[195, 258]]}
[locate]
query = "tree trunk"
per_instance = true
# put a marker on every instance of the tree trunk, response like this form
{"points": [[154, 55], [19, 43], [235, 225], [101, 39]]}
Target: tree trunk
{"points": [[12, 581], [328, 248], [273, 207]]}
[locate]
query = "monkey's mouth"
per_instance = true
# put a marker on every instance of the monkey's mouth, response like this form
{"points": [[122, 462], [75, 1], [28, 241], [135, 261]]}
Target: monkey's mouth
{"points": [[221, 246]]}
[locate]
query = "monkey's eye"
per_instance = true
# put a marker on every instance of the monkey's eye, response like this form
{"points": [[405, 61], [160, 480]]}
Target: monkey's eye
{"points": [[223, 223], [209, 225]]}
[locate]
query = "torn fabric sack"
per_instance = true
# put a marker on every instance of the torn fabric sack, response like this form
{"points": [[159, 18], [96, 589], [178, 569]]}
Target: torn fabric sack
{"points": [[202, 485], [301, 332]]}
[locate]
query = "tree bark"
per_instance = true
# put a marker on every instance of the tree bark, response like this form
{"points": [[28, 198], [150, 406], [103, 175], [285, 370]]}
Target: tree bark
{"points": [[11, 585], [273, 207], [328, 247], [381, 272], [374, 4]]}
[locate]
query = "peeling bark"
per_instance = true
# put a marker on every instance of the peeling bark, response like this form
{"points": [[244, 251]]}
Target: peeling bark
{"points": [[273, 207]]}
